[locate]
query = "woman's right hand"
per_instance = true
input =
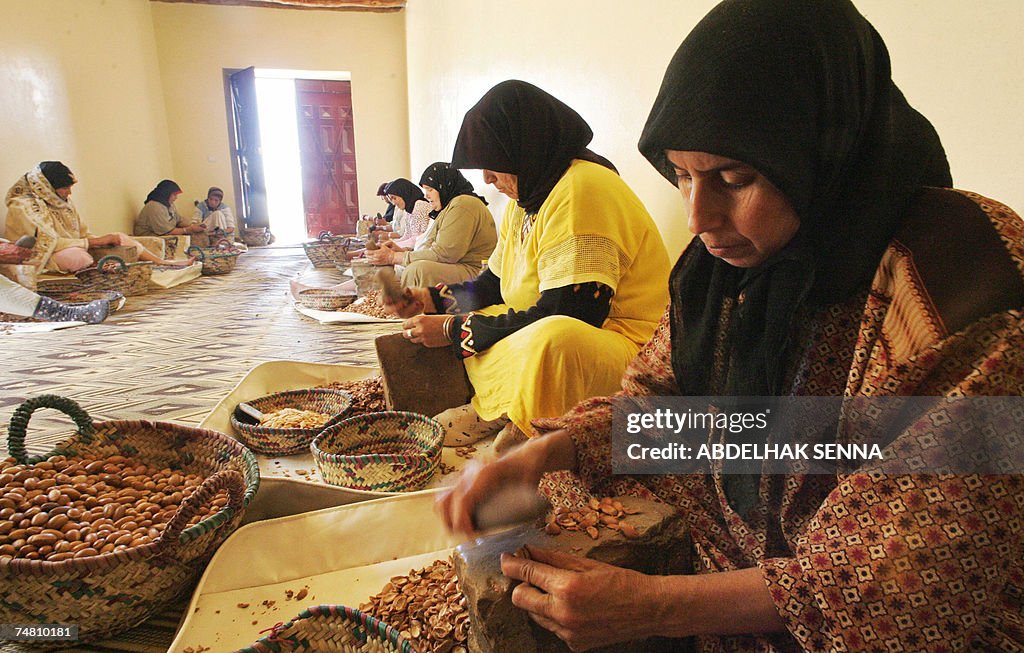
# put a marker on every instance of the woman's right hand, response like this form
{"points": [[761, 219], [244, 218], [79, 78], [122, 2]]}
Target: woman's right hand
{"points": [[458, 505], [417, 301]]}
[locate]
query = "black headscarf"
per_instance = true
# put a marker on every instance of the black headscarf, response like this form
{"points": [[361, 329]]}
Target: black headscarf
{"points": [[519, 129], [382, 189], [801, 90], [58, 174], [408, 191], [448, 182], [163, 191]]}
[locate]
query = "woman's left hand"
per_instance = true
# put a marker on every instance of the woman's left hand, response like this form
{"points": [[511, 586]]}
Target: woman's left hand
{"points": [[11, 253], [426, 330], [584, 602], [382, 256]]}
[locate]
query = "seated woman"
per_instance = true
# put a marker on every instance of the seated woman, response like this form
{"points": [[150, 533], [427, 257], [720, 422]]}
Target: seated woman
{"points": [[158, 216], [831, 259], [389, 212], [39, 204], [461, 236], [575, 285], [412, 213], [18, 300], [215, 216]]}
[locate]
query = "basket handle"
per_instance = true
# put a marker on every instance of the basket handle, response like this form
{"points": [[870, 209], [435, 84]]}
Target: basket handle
{"points": [[200, 254], [223, 243], [18, 427], [176, 534], [111, 258], [324, 237]]}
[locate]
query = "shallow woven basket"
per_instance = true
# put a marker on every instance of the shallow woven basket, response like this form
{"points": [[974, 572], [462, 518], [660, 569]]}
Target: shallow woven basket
{"points": [[327, 251], [215, 260], [284, 442], [112, 273], [324, 299], [391, 451], [331, 628], [109, 593]]}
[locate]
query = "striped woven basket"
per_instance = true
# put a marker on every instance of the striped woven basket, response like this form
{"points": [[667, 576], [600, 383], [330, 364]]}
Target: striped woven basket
{"points": [[281, 441], [215, 260], [109, 593], [328, 251], [329, 629], [324, 299], [112, 273], [391, 451]]}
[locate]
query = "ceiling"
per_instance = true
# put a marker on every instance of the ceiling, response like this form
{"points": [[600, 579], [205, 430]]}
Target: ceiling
{"points": [[336, 5]]}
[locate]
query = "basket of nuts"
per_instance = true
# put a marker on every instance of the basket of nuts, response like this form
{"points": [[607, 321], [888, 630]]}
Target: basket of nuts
{"points": [[390, 451], [330, 628], [288, 420], [116, 521]]}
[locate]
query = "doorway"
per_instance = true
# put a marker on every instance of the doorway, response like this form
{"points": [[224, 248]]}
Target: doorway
{"points": [[306, 151]]}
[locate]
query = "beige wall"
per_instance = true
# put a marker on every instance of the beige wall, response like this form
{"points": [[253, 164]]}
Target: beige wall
{"points": [[958, 63], [79, 82], [196, 42]]}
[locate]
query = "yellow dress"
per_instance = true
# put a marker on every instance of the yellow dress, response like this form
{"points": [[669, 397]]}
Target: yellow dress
{"points": [[591, 228]]}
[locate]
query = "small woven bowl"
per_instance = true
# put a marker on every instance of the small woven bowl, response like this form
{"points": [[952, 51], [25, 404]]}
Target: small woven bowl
{"points": [[391, 451], [332, 628], [284, 442], [324, 299]]}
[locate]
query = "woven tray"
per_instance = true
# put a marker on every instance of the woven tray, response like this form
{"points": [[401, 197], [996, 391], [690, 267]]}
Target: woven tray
{"points": [[324, 299], [108, 593], [330, 628], [284, 442], [112, 273], [391, 451]]}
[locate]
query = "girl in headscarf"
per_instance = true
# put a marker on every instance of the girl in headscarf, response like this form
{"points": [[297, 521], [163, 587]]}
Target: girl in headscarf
{"points": [[414, 216], [461, 236], [389, 213], [578, 278], [831, 259]]}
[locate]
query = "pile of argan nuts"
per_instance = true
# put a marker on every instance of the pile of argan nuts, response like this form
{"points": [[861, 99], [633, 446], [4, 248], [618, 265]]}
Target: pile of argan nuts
{"points": [[606, 512], [367, 394], [426, 606], [369, 304], [65, 508]]}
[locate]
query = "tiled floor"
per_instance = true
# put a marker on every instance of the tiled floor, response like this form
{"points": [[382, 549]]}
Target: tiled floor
{"points": [[172, 355]]}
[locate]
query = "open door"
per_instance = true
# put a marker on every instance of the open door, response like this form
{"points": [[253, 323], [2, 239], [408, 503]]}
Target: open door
{"points": [[248, 159]]}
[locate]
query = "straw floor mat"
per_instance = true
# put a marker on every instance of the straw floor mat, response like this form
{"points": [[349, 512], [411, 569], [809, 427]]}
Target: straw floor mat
{"points": [[172, 355]]}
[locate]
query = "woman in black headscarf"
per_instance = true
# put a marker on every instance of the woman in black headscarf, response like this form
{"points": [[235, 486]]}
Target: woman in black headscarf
{"points": [[414, 217], [158, 216], [461, 236], [831, 259], [576, 283]]}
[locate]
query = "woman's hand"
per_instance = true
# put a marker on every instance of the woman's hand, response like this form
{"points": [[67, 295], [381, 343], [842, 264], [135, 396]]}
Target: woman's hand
{"points": [[426, 330], [383, 256], [417, 301], [584, 602], [11, 253]]}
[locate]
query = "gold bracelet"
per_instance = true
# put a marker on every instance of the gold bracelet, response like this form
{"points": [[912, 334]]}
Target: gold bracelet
{"points": [[446, 328]]}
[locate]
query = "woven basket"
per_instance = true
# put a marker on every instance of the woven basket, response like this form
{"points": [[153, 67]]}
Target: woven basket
{"points": [[331, 628], [256, 236], [112, 592], [284, 442], [324, 299], [112, 273], [391, 451], [215, 260], [328, 251]]}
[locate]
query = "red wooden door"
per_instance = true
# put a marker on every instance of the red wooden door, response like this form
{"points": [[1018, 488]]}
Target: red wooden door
{"points": [[327, 153]]}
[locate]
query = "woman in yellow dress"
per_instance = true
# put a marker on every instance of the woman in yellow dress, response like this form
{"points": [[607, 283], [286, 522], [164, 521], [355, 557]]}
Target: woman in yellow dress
{"points": [[576, 283]]}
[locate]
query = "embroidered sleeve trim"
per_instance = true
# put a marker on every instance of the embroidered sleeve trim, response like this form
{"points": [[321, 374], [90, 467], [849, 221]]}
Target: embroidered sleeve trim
{"points": [[449, 304], [466, 340]]}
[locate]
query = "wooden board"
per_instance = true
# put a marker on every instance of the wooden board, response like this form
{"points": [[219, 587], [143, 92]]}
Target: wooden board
{"points": [[421, 379]]}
